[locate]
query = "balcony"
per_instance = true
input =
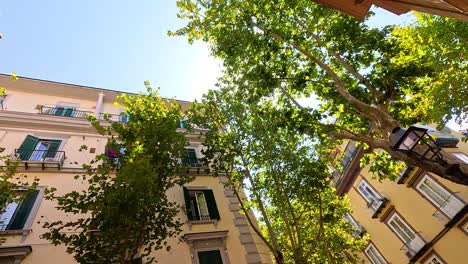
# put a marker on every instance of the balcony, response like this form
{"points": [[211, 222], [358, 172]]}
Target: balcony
{"points": [[413, 246], [75, 113], [377, 206], [194, 165], [43, 159]]}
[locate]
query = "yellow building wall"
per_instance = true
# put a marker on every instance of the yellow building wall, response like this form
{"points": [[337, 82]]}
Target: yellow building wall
{"points": [[417, 211]]}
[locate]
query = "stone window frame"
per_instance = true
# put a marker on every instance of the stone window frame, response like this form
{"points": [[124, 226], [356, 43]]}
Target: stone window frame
{"points": [[31, 217], [206, 241], [196, 222], [431, 255], [15, 253]]}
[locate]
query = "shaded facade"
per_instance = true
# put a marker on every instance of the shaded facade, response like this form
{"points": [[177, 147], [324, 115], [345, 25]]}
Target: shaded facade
{"points": [[42, 126]]}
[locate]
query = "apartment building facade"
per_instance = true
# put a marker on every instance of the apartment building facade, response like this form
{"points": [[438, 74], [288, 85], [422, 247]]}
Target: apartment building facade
{"points": [[42, 127], [419, 218]]}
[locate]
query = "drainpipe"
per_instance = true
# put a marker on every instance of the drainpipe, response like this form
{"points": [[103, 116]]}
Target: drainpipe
{"points": [[98, 109]]}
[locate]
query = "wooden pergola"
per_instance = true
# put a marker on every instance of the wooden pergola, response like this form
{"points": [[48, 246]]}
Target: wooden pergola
{"points": [[359, 8]]}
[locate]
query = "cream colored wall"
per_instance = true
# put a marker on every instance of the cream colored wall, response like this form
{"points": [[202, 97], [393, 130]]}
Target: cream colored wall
{"points": [[27, 102]]}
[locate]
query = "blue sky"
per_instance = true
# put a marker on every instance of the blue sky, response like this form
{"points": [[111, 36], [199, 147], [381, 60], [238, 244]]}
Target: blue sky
{"points": [[109, 44]]}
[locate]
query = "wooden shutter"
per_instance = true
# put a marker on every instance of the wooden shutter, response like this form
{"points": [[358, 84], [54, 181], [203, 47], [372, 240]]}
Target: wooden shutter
{"points": [[27, 147], [59, 111], [22, 212], [53, 148], [211, 203], [68, 111], [187, 204]]}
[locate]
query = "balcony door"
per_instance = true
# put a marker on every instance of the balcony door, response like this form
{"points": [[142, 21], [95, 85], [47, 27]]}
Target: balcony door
{"points": [[440, 197], [411, 240], [34, 148]]}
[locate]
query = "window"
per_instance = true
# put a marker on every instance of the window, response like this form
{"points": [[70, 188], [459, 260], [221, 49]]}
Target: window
{"points": [[373, 198], [374, 255], [200, 205], [16, 214], [34, 148], [124, 117], [181, 123], [412, 241], [464, 226], [433, 259], [357, 228], [208, 247], [210, 257], [440, 197], [63, 111], [191, 158], [462, 157]]}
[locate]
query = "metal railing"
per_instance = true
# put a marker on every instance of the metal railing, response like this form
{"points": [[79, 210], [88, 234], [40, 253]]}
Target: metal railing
{"points": [[193, 162], [39, 155], [413, 246], [75, 113]]}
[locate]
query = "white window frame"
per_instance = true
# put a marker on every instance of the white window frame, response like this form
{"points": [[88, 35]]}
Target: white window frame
{"points": [[465, 227], [431, 258], [350, 219], [461, 156], [376, 257], [415, 242], [366, 191], [450, 206]]}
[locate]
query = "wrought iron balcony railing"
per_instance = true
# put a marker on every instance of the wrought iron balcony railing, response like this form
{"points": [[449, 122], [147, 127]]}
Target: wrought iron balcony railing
{"points": [[75, 113], [39, 155], [193, 162]]}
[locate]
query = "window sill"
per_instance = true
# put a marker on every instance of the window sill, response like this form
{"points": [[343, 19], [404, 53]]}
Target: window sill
{"points": [[201, 222], [15, 232], [196, 222]]}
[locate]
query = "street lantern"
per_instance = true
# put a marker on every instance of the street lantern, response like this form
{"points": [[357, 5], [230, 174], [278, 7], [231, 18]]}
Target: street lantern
{"points": [[416, 141]]}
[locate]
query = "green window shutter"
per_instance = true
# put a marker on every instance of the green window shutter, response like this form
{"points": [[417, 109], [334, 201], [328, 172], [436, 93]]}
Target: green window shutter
{"points": [[27, 147], [22, 212], [58, 111], [210, 257], [187, 204], [68, 111], [211, 203], [53, 148]]}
